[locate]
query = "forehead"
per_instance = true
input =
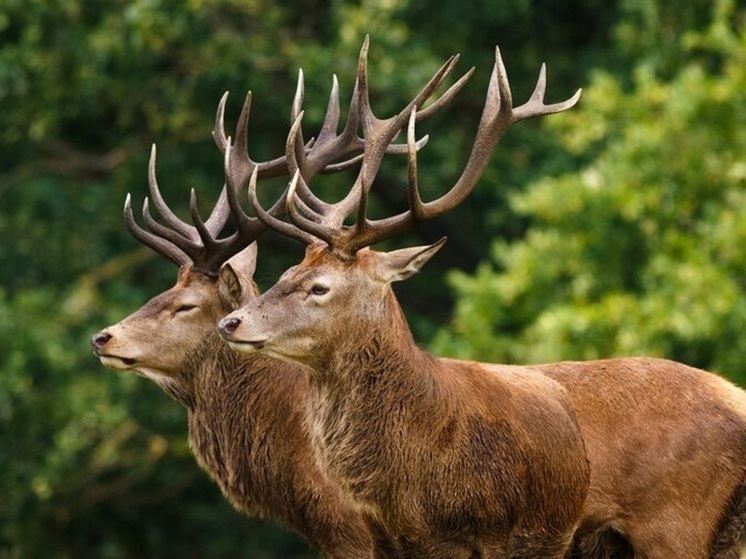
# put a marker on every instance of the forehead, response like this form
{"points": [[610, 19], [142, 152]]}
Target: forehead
{"points": [[318, 261], [188, 283], [193, 280]]}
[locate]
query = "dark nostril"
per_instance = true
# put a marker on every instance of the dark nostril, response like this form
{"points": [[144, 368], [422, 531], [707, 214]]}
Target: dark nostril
{"points": [[229, 325], [99, 340]]}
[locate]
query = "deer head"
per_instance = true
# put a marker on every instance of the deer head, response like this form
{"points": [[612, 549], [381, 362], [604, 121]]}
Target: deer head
{"points": [[340, 276]]}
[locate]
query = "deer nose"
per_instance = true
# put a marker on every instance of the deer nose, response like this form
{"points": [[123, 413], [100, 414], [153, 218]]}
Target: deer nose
{"points": [[98, 341], [229, 325]]}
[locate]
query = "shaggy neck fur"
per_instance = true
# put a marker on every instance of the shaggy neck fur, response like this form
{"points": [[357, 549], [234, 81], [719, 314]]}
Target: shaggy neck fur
{"points": [[247, 430], [400, 429]]}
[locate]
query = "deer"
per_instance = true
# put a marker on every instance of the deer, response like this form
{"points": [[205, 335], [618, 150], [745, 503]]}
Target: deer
{"points": [[442, 458], [246, 414], [454, 458]]}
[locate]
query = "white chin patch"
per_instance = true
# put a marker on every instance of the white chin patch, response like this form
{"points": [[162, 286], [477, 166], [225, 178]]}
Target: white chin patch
{"points": [[116, 363]]}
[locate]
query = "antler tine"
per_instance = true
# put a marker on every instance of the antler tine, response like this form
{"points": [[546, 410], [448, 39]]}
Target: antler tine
{"points": [[331, 118], [241, 164], [295, 151], [535, 105], [160, 205], [300, 92], [159, 245], [287, 229], [219, 214], [208, 241], [393, 149], [446, 98], [186, 244], [379, 133], [218, 131], [497, 116]]}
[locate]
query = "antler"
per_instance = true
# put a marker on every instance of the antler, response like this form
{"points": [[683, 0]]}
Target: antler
{"points": [[198, 244], [315, 219], [497, 116]]}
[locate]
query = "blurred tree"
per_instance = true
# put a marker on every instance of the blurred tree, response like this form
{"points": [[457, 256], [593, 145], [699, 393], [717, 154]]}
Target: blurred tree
{"points": [[638, 251]]}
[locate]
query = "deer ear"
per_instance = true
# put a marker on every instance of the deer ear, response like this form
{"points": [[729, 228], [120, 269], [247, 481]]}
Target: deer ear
{"points": [[235, 281], [245, 261], [401, 264]]}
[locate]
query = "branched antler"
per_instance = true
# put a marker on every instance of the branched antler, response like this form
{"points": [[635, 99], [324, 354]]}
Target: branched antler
{"points": [[316, 219], [197, 244], [497, 116]]}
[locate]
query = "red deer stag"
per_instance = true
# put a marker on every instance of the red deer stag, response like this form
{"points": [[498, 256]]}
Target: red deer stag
{"points": [[443, 458], [666, 442], [246, 413]]}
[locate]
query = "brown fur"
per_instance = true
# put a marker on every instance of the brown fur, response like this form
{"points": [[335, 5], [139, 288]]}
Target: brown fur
{"points": [[667, 446], [443, 458], [666, 442], [246, 414]]}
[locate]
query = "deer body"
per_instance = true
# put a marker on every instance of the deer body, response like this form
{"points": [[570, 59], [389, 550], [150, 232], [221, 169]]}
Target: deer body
{"points": [[246, 414], [667, 447], [443, 458]]}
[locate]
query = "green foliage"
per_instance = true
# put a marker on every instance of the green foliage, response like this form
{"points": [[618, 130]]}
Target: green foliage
{"points": [[639, 250]]}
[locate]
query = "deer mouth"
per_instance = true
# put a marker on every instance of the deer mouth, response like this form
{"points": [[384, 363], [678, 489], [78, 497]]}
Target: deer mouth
{"points": [[116, 362]]}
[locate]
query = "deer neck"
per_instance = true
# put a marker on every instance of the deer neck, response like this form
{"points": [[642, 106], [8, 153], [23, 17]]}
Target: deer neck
{"points": [[363, 396], [367, 350], [237, 400]]}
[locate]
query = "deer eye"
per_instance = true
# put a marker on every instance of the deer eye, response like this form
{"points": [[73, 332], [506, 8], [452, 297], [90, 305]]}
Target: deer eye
{"points": [[319, 289], [185, 308]]}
